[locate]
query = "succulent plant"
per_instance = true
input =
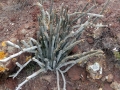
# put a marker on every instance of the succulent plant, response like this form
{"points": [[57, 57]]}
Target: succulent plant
{"points": [[56, 37]]}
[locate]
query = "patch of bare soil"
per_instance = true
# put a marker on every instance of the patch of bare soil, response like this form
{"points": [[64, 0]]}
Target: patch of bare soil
{"points": [[18, 20]]}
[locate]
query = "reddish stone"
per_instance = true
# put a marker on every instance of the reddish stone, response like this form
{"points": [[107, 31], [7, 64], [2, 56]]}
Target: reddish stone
{"points": [[76, 49], [100, 2], [90, 40], [76, 73], [13, 19]]}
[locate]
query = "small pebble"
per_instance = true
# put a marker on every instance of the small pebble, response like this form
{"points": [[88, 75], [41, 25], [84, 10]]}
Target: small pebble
{"points": [[100, 89], [109, 78]]}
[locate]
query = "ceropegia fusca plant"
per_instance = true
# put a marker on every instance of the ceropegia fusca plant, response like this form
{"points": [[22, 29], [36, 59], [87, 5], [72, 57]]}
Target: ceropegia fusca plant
{"points": [[57, 35]]}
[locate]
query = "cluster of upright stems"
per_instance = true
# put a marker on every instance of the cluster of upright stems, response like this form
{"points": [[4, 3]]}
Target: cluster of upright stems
{"points": [[56, 37]]}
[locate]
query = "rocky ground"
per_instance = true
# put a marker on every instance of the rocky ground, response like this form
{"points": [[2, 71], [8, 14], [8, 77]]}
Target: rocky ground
{"points": [[18, 20]]}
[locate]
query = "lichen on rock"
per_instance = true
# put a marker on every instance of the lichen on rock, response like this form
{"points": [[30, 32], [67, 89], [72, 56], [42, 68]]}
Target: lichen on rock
{"points": [[95, 68]]}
